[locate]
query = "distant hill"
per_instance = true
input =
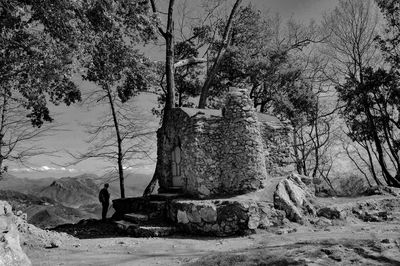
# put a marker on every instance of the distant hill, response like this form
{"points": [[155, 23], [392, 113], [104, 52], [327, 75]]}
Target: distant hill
{"points": [[72, 191], [24, 185], [44, 212], [49, 201], [51, 216], [83, 190], [134, 184]]}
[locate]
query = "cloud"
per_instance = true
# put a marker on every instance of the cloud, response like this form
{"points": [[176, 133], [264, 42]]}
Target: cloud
{"points": [[145, 168], [44, 168]]}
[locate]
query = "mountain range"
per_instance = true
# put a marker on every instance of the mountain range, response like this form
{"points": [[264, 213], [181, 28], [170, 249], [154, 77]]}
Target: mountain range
{"points": [[52, 201]]}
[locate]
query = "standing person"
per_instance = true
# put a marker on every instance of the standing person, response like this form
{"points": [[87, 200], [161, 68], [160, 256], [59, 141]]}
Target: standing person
{"points": [[104, 197]]}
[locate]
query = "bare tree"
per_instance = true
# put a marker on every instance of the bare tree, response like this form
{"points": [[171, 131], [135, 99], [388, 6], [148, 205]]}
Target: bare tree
{"points": [[121, 136], [351, 27], [315, 135], [17, 135], [120, 72]]}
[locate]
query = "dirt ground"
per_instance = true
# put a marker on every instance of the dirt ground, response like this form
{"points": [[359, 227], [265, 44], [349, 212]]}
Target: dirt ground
{"points": [[349, 241], [353, 244]]}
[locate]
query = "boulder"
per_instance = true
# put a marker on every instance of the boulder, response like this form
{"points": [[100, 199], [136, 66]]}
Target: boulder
{"points": [[295, 198], [374, 216], [382, 190], [10, 249], [331, 213]]}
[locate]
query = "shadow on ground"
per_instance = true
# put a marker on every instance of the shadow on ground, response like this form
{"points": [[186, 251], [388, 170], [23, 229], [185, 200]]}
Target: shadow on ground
{"points": [[91, 229]]}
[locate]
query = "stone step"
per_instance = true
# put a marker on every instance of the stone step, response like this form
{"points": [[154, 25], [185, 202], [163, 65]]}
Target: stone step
{"points": [[126, 227], [175, 190], [154, 206], [165, 196], [130, 205], [135, 230], [154, 231], [158, 203], [136, 217], [156, 209]]}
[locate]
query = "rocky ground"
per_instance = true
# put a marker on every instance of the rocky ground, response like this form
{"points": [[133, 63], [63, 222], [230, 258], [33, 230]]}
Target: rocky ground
{"points": [[356, 244], [351, 231], [308, 231]]}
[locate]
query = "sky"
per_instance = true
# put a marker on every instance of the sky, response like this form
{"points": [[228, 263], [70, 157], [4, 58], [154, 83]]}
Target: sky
{"points": [[73, 138], [303, 10]]}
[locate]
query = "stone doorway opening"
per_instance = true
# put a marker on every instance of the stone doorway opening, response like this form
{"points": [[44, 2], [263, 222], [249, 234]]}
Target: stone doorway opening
{"points": [[177, 179]]}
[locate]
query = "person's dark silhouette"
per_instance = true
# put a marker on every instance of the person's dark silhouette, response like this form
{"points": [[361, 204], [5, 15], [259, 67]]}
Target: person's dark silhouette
{"points": [[104, 198]]}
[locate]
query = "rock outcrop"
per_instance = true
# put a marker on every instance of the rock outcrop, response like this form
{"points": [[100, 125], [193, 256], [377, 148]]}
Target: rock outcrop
{"points": [[382, 190], [10, 249], [295, 198]]}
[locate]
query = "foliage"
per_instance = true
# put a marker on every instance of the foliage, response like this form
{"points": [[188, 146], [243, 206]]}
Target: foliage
{"points": [[351, 47], [380, 94], [35, 62], [372, 115], [351, 185], [45, 43], [187, 79], [115, 64], [42, 41], [269, 70], [390, 41]]}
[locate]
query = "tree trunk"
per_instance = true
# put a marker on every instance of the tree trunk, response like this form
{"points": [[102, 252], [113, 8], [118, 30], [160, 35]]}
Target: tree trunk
{"points": [[169, 72], [119, 143], [372, 167], [3, 119], [317, 141], [225, 42], [391, 181], [169, 62], [157, 173]]}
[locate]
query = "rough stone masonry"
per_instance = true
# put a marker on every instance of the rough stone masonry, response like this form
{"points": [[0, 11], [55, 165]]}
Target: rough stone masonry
{"points": [[223, 152]]}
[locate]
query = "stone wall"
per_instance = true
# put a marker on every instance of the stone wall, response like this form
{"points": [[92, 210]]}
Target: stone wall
{"points": [[277, 146], [221, 155], [169, 136], [223, 217], [215, 218], [243, 160]]}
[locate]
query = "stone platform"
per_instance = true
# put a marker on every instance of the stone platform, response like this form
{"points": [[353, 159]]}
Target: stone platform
{"points": [[282, 199], [212, 217]]}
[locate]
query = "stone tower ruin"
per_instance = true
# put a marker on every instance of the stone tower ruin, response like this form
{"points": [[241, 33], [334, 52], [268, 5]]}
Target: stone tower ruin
{"points": [[209, 153]]}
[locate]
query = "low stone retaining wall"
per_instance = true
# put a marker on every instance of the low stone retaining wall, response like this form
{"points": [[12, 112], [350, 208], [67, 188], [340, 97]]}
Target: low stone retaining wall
{"points": [[222, 217], [281, 200]]}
